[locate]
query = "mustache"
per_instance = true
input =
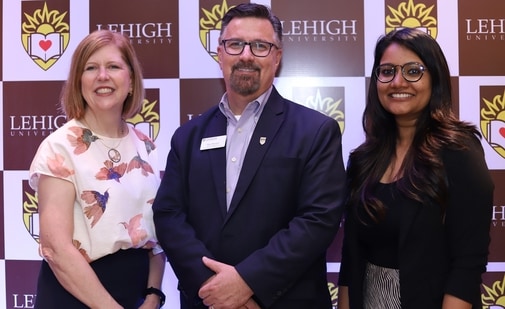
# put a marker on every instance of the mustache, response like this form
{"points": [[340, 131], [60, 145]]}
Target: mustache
{"points": [[245, 65]]}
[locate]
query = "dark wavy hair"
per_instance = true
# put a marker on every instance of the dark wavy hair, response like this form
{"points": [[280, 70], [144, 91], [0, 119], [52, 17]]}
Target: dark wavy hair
{"points": [[253, 10], [436, 128]]}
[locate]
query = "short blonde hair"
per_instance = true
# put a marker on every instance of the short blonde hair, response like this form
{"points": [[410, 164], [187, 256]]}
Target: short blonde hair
{"points": [[72, 102]]}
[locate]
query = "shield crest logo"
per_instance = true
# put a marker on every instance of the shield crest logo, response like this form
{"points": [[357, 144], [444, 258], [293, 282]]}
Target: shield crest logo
{"points": [[211, 13], [492, 117], [147, 120], [31, 211], [45, 33]]}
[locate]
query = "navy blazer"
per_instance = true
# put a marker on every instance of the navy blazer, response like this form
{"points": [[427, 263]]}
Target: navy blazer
{"points": [[284, 213]]}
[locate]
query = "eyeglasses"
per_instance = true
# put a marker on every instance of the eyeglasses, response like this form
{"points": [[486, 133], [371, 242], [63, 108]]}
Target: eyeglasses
{"points": [[411, 71], [258, 48]]}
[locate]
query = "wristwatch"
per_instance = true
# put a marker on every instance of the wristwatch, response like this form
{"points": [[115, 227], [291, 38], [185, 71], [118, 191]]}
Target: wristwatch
{"points": [[156, 291]]}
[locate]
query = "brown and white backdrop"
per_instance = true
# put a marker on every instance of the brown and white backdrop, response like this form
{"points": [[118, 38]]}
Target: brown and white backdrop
{"points": [[328, 54]]}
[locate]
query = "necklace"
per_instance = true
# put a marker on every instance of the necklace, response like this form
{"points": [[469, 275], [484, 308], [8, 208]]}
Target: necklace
{"points": [[113, 154]]}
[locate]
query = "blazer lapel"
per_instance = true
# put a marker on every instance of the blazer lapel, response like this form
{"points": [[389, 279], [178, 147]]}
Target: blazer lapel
{"points": [[217, 127], [269, 123]]}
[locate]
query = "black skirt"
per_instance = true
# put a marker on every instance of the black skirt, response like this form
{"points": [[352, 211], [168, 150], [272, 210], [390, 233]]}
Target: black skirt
{"points": [[124, 274]]}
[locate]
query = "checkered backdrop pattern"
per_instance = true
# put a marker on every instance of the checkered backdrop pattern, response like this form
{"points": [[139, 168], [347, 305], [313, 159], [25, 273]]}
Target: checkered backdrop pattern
{"points": [[328, 54]]}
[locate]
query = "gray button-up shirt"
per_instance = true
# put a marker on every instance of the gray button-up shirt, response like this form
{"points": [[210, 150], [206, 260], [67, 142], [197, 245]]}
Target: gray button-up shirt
{"points": [[238, 135]]}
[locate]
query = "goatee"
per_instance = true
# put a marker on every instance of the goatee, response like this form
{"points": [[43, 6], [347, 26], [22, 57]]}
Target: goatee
{"points": [[245, 84]]}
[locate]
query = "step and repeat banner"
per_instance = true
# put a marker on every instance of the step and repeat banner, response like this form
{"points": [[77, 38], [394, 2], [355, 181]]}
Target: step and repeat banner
{"points": [[328, 54]]}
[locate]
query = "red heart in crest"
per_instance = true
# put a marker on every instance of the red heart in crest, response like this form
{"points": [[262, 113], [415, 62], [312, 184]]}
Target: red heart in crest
{"points": [[45, 44], [502, 131]]}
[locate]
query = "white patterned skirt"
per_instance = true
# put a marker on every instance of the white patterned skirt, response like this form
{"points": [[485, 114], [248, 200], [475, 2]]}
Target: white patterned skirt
{"points": [[381, 288]]}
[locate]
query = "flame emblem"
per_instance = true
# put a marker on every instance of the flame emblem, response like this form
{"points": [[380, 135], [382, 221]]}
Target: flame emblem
{"points": [[410, 15], [493, 296], [328, 106], [147, 120]]}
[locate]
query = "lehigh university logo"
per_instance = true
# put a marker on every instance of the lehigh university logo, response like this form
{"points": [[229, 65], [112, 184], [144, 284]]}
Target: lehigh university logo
{"points": [[327, 100], [492, 119], [411, 15], [494, 296], [147, 120], [30, 211], [211, 13], [45, 33]]}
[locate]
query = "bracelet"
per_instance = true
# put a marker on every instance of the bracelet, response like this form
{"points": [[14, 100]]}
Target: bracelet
{"points": [[156, 291]]}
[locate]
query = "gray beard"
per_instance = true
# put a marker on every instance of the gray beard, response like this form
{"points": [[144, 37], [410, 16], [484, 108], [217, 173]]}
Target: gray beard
{"points": [[244, 85]]}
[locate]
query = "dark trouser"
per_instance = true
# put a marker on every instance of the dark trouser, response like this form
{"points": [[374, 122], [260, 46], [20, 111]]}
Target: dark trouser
{"points": [[124, 274]]}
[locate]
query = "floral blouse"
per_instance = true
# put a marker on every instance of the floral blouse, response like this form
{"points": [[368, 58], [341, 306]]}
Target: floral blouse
{"points": [[115, 181]]}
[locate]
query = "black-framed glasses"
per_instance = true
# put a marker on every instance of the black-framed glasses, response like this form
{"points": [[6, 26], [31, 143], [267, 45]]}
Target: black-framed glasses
{"points": [[411, 71], [258, 48]]}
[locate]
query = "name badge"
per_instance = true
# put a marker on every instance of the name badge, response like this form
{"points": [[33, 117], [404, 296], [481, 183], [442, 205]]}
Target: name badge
{"points": [[213, 142]]}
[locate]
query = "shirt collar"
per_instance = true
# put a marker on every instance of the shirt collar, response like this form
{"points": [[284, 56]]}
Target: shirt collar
{"points": [[224, 105]]}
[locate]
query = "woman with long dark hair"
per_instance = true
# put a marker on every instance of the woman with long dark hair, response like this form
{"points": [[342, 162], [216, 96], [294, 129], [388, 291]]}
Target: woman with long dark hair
{"points": [[420, 194]]}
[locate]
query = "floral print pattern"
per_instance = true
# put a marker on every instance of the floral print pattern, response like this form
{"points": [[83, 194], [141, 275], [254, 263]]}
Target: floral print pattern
{"points": [[110, 197]]}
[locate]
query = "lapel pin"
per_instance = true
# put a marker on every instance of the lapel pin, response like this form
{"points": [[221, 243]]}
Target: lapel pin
{"points": [[263, 140]]}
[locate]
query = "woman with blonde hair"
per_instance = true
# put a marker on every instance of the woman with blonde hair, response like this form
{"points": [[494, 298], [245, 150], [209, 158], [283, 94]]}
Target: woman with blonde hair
{"points": [[95, 178]]}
